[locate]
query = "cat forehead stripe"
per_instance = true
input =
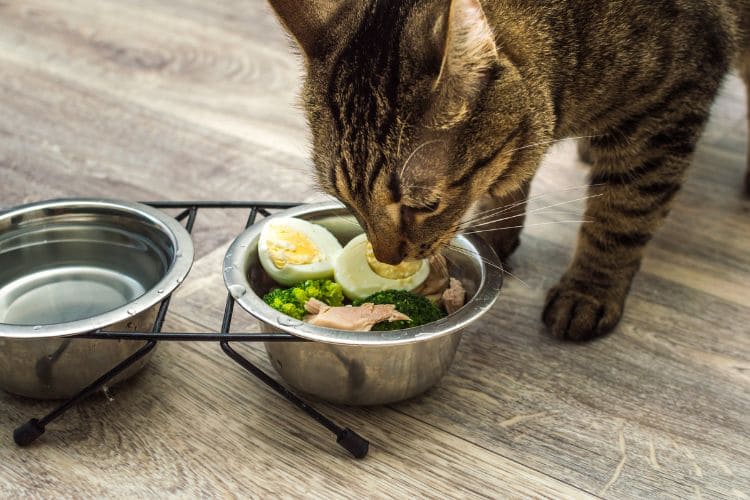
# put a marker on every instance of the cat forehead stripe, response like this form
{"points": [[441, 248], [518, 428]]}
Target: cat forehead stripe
{"points": [[362, 91]]}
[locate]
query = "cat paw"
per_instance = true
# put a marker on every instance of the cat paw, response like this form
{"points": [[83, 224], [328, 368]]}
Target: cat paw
{"points": [[576, 311]]}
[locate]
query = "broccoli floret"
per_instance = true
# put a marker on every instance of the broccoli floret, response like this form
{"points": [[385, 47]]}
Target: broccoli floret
{"points": [[291, 301], [283, 300], [418, 308], [324, 290]]}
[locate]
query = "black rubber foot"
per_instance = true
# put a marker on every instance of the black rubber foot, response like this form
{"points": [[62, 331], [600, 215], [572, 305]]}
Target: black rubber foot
{"points": [[354, 443], [28, 432]]}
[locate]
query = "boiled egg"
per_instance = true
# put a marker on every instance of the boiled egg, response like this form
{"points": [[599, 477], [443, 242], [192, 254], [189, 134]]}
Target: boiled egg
{"points": [[360, 274], [293, 250]]}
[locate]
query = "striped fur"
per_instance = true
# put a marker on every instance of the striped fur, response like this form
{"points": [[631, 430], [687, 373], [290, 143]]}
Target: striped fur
{"points": [[421, 111]]}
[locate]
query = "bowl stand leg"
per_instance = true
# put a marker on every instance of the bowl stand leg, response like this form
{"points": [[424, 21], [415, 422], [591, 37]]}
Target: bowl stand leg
{"points": [[29, 432], [345, 437]]}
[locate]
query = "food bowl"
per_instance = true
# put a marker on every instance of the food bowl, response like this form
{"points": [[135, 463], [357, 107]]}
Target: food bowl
{"points": [[362, 368], [69, 267]]}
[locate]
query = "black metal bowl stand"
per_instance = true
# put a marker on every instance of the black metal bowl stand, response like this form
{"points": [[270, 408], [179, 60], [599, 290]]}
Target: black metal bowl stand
{"points": [[28, 432]]}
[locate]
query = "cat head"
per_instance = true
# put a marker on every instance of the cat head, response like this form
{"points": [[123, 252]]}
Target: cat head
{"points": [[415, 113]]}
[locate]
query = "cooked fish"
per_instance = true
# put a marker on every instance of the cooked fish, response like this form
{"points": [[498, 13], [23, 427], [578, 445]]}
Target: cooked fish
{"points": [[454, 297], [437, 280], [357, 319]]}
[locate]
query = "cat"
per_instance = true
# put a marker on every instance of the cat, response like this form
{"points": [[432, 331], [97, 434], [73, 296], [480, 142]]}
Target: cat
{"points": [[424, 111]]}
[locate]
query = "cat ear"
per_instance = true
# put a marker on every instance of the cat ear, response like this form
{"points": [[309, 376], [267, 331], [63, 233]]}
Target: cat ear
{"points": [[308, 21], [469, 56]]}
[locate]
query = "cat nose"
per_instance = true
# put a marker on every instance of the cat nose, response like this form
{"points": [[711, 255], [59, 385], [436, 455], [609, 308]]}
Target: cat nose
{"points": [[392, 254]]}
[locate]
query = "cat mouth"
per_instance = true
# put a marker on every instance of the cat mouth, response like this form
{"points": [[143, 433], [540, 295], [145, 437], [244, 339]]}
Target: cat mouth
{"points": [[392, 255]]}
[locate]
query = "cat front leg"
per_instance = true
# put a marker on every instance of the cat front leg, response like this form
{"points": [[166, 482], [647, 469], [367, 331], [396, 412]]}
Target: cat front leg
{"points": [[634, 179], [500, 220], [584, 151]]}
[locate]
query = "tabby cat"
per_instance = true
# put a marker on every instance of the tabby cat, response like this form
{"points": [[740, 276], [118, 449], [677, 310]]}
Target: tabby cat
{"points": [[424, 111]]}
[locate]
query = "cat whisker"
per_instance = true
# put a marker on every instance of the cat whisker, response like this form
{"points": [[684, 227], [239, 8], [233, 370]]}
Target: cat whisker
{"points": [[505, 208], [573, 221], [473, 222], [495, 221], [461, 227], [472, 253], [565, 203], [486, 261]]}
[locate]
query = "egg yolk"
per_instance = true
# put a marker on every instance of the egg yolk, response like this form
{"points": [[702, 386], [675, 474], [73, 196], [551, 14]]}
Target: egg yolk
{"points": [[286, 246], [404, 270]]}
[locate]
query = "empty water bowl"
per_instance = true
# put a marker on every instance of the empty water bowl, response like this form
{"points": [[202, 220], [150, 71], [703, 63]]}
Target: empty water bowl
{"points": [[74, 266]]}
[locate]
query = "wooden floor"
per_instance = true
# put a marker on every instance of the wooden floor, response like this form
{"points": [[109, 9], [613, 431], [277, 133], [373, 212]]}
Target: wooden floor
{"points": [[189, 99]]}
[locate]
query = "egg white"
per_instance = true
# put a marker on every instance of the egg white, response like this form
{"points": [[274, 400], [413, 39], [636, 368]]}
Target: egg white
{"points": [[352, 271], [327, 246]]}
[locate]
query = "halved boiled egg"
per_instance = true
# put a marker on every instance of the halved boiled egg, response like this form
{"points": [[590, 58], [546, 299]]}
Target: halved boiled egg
{"points": [[360, 274], [293, 250]]}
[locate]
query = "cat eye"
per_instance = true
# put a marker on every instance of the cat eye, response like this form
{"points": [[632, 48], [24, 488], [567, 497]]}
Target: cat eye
{"points": [[424, 209], [431, 207]]}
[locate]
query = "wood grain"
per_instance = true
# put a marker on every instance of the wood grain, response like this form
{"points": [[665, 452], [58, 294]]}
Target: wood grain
{"points": [[183, 99], [221, 432]]}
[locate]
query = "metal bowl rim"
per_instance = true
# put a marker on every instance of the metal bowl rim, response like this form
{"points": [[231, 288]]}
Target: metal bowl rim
{"points": [[488, 291], [175, 274]]}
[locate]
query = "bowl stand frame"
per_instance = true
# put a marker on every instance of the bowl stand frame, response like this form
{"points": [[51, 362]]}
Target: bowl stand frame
{"points": [[355, 444]]}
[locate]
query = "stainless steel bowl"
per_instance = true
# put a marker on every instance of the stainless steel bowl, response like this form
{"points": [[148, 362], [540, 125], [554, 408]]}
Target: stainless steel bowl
{"points": [[362, 368], [73, 266]]}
